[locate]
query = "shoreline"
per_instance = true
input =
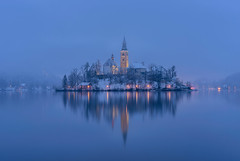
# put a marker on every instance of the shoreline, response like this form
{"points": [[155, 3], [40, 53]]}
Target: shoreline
{"points": [[125, 90]]}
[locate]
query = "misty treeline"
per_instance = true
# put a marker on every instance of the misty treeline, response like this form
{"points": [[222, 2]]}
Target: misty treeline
{"points": [[86, 73], [30, 82], [93, 74], [4, 83]]}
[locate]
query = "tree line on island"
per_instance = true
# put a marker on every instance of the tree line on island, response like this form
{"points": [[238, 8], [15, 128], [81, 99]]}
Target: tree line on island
{"points": [[155, 77]]}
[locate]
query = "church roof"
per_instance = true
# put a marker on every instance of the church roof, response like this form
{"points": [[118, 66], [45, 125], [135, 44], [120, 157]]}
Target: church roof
{"points": [[110, 62], [124, 45], [137, 65]]}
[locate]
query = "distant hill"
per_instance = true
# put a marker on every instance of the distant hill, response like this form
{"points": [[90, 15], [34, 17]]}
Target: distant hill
{"points": [[35, 80], [232, 80]]}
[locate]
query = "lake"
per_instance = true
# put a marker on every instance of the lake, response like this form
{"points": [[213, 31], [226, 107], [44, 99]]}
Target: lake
{"points": [[168, 126]]}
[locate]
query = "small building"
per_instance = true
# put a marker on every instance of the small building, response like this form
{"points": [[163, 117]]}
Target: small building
{"points": [[110, 66], [85, 86], [139, 68]]}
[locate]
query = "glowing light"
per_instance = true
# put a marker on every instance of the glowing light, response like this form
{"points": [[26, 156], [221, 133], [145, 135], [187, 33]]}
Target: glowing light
{"points": [[219, 88], [88, 95], [128, 95], [136, 97], [168, 86], [148, 86], [107, 86], [74, 96], [169, 96], [136, 86], [192, 88], [148, 96], [107, 96], [88, 86]]}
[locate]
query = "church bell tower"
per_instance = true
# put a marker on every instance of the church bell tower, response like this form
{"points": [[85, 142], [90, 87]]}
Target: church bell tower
{"points": [[124, 57]]}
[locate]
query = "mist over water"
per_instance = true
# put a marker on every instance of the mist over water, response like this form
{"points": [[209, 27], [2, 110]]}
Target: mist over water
{"points": [[52, 56], [199, 37], [119, 125]]}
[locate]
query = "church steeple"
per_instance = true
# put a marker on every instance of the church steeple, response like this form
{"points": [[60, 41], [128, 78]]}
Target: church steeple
{"points": [[124, 57], [124, 45], [112, 57]]}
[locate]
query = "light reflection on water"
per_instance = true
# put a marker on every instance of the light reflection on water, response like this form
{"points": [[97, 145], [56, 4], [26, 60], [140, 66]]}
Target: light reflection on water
{"points": [[120, 126], [113, 105]]}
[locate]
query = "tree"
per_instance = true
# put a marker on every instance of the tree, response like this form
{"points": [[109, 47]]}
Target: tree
{"points": [[86, 72], [64, 82], [93, 70], [173, 72], [73, 78], [156, 75], [188, 84], [118, 78], [131, 76], [98, 67]]}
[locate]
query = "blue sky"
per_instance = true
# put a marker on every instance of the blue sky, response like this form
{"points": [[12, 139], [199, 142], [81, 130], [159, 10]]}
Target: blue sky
{"points": [[200, 37]]}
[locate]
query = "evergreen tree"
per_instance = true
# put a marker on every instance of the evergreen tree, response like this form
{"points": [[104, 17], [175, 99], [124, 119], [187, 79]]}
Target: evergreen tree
{"points": [[64, 82], [98, 67]]}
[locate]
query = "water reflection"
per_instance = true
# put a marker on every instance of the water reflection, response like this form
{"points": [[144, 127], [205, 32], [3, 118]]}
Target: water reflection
{"points": [[112, 105]]}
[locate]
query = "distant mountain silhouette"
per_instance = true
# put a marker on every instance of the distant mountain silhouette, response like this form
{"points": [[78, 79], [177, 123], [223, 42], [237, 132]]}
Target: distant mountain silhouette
{"points": [[233, 79]]}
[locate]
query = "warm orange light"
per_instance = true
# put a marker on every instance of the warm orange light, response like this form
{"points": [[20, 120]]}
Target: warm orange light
{"points": [[168, 86], [88, 86], [219, 89], [107, 86], [148, 86], [136, 86]]}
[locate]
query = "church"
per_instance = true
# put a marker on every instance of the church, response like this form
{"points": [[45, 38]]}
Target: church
{"points": [[124, 58], [110, 66]]}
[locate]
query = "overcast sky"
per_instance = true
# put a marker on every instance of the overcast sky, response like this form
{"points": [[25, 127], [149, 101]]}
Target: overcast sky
{"points": [[200, 37]]}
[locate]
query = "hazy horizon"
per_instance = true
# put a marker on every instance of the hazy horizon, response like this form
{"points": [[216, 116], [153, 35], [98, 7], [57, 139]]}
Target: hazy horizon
{"points": [[48, 36]]}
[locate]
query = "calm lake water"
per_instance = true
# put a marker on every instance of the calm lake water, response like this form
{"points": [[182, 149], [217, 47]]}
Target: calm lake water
{"points": [[168, 126]]}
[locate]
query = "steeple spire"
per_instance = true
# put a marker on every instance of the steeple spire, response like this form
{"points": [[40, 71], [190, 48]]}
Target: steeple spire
{"points": [[112, 57], [124, 57], [124, 45]]}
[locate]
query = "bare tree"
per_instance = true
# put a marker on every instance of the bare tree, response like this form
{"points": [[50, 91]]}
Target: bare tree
{"points": [[131, 76], [156, 75], [73, 78], [86, 72], [98, 67]]}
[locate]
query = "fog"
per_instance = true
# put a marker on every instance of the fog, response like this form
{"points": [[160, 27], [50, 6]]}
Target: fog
{"points": [[50, 37]]}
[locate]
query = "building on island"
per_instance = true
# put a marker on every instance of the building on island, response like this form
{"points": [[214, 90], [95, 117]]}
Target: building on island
{"points": [[124, 58], [110, 66], [138, 68], [84, 86]]}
